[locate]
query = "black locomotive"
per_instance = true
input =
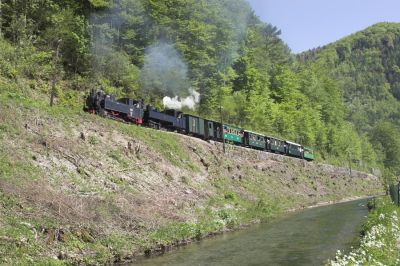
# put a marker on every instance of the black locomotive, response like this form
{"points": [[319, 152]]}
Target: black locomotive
{"points": [[136, 112], [122, 109]]}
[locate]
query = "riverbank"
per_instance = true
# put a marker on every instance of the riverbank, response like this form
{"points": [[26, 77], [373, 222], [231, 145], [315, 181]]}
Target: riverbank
{"points": [[343, 200], [76, 188], [380, 243], [306, 237], [161, 250]]}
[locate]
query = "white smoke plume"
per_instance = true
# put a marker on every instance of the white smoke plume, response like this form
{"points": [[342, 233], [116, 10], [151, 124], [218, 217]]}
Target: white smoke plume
{"points": [[178, 103], [164, 71]]}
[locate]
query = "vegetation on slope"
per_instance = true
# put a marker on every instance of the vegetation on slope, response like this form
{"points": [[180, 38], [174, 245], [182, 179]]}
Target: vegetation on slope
{"points": [[150, 49], [365, 65], [380, 244], [84, 189], [77, 188]]}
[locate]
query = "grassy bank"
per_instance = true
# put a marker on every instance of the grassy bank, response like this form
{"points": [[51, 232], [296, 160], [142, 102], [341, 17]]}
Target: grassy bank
{"points": [[78, 188], [380, 243]]}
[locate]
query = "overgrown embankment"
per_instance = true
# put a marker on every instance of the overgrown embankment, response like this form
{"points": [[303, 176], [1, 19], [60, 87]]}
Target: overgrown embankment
{"points": [[380, 244], [77, 188]]}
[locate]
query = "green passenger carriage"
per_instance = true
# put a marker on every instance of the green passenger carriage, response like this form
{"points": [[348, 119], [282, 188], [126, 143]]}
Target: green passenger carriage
{"points": [[294, 149], [254, 140], [233, 134], [276, 145], [308, 153]]}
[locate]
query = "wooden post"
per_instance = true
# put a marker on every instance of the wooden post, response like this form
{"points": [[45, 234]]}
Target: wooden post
{"points": [[55, 72], [1, 18], [349, 154], [398, 193], [222, 129]]}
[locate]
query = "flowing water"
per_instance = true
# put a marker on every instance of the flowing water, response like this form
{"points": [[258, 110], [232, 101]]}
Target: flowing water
{"points": [[307, 237]]}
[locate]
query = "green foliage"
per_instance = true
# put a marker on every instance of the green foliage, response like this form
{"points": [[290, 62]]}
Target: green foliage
{"points": [[15, 170], [7, 66], [230, 196], [100, 3], [379, 244], [264, 210], [331, 98], [119, 157], [365, 68], [93, 140], [177, 232], [386, 139], [120, 244], [228, 217]]}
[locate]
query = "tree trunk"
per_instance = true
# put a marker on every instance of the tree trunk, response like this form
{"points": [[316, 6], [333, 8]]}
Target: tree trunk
{"points": [[55, 74], [1, 18]]}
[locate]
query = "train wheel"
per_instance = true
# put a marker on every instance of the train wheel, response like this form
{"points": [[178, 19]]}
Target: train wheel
{"points": [[102, 112]]}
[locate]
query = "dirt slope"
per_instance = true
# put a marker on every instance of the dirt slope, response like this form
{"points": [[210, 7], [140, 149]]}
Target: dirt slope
{"points": [[76, 188]]}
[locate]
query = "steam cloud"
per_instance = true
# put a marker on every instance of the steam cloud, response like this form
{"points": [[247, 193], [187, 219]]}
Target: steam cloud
{"points": [[178, 103], [164, 72]]}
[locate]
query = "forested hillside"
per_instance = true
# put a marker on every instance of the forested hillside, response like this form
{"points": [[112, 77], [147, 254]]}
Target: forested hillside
{"points": [[79, 189], [151, 49], [365, 66]]}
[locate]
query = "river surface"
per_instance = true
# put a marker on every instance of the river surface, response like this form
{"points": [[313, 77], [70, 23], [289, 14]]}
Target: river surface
{"points": [[306, 237]]}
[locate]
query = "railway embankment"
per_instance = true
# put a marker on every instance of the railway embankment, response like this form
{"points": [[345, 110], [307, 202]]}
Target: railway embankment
{"points": [[78, 188]]}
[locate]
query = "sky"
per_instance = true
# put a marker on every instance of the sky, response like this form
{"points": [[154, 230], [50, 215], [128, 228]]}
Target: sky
{"points": [[307, 24]]}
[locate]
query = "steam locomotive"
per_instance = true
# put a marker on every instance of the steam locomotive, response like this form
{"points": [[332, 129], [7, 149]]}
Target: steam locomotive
{"points": [[133, 111]]}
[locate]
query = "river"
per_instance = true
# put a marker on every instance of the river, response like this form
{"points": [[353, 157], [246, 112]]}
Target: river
{"points": [[306, 237]]}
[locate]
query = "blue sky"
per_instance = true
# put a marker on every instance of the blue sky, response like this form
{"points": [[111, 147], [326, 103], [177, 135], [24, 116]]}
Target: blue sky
{"points": [[307, 24]]}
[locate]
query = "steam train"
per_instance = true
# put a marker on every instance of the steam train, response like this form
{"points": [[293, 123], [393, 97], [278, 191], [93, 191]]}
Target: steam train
{"points": [[136, 112]]}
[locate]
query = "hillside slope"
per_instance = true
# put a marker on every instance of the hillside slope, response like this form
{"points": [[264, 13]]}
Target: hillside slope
{"points": [[366, 67], [145, 49], [75, 187]]}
